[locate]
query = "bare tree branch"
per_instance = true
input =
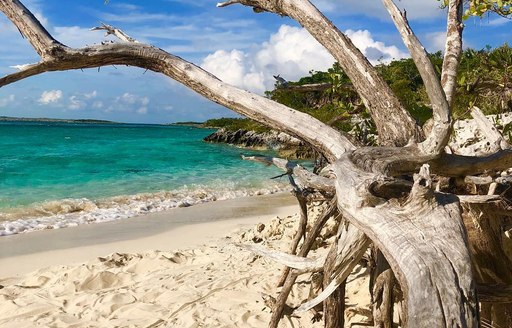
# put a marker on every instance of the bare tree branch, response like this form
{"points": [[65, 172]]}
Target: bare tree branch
{"points": [[394, 124], [453, 49], [422, 238], [440, 133], [352, 245], [31, 29], [110, 30]]}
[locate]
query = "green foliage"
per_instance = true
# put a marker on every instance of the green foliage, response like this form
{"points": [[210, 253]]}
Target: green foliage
{"points": [[481, 7], [484, 80]]}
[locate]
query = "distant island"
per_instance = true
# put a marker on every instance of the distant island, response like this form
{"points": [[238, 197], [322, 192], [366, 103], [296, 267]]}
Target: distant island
{"points": [[189, 123], [55, 120]]}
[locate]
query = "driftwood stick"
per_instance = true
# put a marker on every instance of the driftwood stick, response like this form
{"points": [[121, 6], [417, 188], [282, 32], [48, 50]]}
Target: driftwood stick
{"points": [[305, 178], [334, 305], [279, 306], [352, 245], [300, 264], [299, 234], [111, 30], [291, 277], [478, 180]]}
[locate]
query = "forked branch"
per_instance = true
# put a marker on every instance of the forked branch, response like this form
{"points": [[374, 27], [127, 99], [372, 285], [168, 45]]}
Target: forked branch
{"points": [[111, 30], [440, 134]]}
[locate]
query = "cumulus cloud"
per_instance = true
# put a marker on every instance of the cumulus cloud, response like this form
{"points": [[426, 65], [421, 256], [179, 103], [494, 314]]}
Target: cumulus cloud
{"points": [[499, 21], [50, 96], [292, 53], [375, 51], [76, 103]]}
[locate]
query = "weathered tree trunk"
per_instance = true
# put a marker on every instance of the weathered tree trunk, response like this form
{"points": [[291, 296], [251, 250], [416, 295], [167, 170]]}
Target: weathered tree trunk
{"points": [[420, 264]]}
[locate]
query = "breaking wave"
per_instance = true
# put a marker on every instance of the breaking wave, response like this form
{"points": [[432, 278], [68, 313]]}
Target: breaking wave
{"points": [[65, 213]]}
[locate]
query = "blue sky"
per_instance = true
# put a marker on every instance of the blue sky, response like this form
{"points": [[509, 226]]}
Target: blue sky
{"points": [[240, 47]]}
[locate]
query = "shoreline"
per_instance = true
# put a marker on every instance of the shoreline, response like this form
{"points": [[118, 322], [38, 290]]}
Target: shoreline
{"points": [[183, 275], [170, 229]]}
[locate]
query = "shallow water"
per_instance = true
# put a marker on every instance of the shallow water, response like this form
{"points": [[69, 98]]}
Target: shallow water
{"points": [[55, 175]]}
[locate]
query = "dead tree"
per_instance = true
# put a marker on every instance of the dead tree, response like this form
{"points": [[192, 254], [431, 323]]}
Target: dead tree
{"points": [[422, 235]]}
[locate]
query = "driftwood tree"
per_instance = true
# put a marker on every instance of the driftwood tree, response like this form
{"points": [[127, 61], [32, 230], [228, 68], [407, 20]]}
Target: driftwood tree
{"points": [[385, 194]]}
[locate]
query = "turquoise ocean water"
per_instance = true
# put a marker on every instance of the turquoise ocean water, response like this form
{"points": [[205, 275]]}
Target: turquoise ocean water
{"points": [[55, 175]]}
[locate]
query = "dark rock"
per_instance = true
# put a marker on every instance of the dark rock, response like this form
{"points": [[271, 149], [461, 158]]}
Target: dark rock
{"points": [[286, 145]]}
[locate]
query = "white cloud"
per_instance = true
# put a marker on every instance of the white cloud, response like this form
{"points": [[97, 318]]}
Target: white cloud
{"points": [[292, 53], [90, 95], [499, 21], [142, 110], [7, 100], [50, 96], [375, 51], [127, 98]]}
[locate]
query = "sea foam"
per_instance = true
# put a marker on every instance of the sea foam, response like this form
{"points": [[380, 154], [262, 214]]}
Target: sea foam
{"points": [[73, 212]]}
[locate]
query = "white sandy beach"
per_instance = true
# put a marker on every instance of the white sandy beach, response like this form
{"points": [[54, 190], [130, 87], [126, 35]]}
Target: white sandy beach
{"points": [[159, 271]]}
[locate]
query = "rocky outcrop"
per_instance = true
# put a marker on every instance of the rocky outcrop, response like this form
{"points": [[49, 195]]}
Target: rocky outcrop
{"points": [[286, 145], [467, 139]]}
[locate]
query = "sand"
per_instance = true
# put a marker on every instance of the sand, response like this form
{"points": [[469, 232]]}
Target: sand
{"points": [[160, 271]]}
